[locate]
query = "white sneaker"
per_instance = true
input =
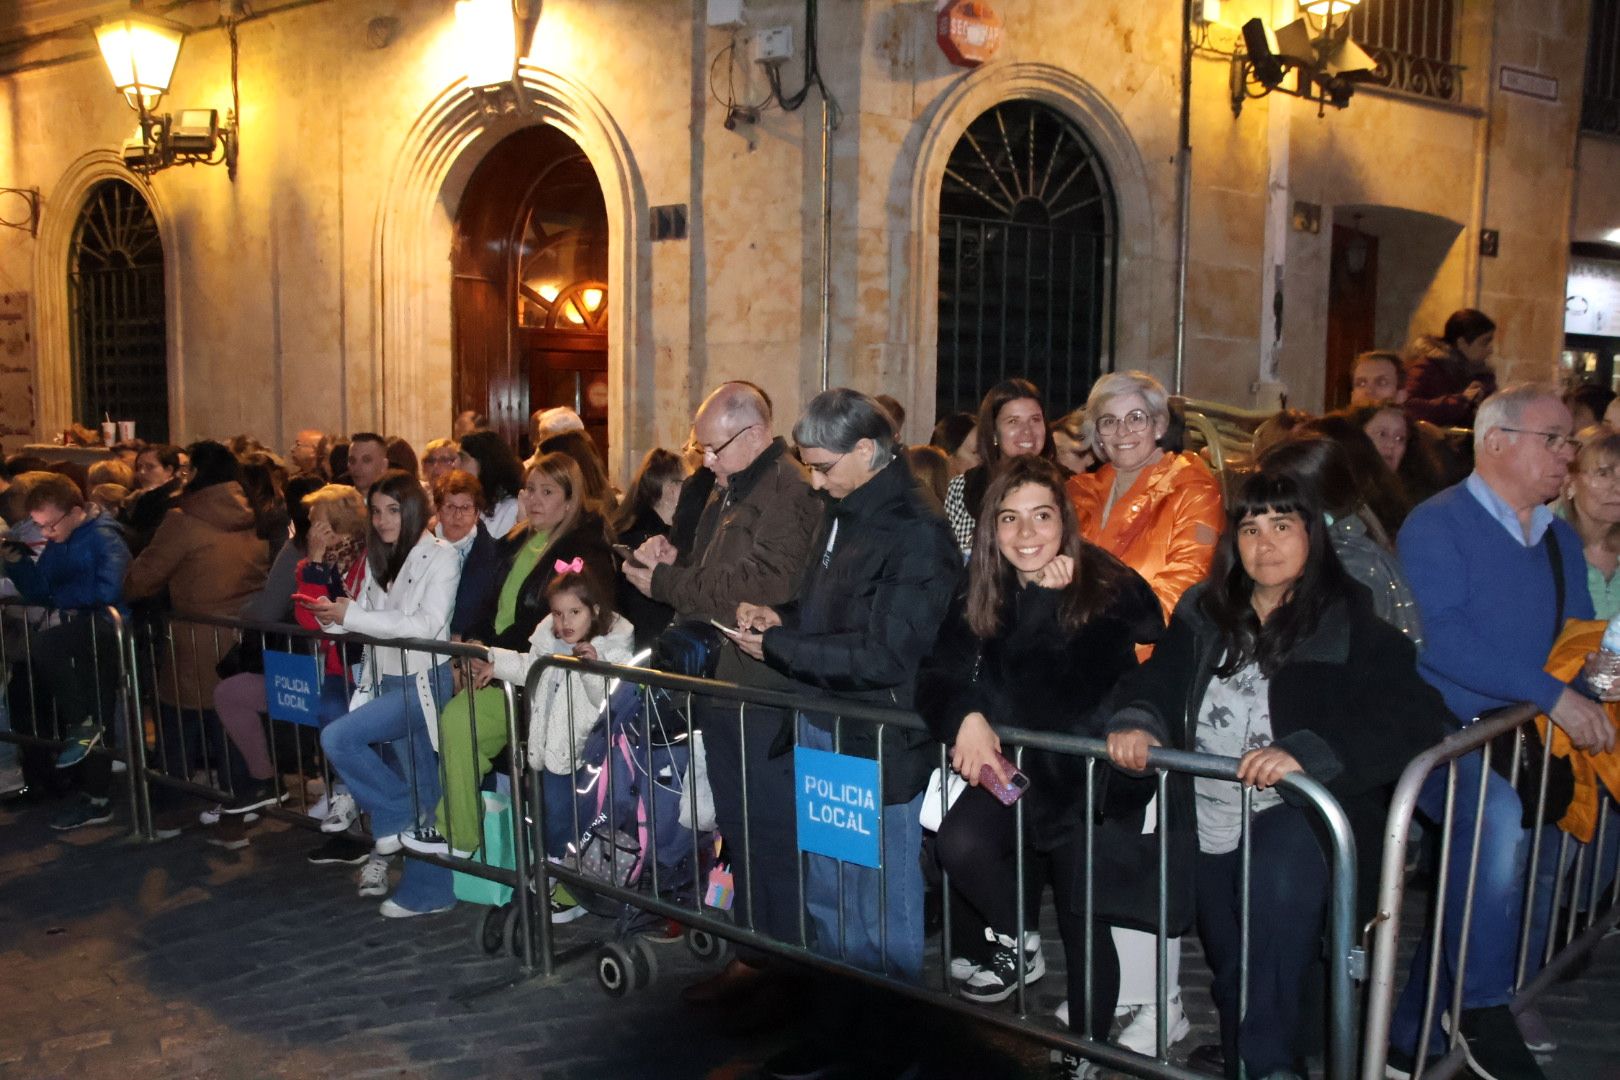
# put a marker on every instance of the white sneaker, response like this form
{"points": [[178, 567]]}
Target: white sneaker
{"points": [[1141, 1035], [963, 969], [393, 909], [341, 813], [1062, 1065], [387, 845], [319, 808], [374, 877]]}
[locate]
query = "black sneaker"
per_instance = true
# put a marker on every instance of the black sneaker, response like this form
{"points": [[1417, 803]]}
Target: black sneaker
{"points": [[86, 811], [340, 848], [1494, 1046], [260, 795], [997, 980]]}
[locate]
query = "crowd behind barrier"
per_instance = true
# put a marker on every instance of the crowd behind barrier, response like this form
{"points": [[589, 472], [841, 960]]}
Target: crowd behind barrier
{"points": [[1179, 697]]}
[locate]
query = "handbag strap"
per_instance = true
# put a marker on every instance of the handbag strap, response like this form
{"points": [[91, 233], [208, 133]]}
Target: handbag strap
{"points": [[1555, 556]]}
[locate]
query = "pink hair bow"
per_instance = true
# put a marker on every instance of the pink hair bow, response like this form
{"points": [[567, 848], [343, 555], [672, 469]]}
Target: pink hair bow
{"points": [[575, 567]]}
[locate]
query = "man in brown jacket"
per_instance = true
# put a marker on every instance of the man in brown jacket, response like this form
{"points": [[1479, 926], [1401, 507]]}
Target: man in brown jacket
{"points": [[751, 544]]}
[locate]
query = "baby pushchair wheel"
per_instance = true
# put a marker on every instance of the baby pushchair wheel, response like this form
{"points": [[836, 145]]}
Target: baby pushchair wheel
{"points": [[514, 931], [615, 969], [646, 957], [491, 929], [706, 946]]}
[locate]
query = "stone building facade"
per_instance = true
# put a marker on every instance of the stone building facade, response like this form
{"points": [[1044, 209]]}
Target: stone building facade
{"points": [[319, 287]]}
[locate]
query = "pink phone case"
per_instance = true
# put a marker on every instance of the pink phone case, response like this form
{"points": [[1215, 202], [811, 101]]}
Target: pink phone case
{"points": [[1012, 790]]}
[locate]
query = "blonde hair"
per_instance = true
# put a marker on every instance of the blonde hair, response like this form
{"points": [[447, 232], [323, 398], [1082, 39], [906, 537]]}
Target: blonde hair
{"points": [[342, 506], [563, 471], [111, 471]]}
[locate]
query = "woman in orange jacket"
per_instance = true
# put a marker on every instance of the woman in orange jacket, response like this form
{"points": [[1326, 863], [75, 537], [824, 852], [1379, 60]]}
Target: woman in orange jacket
{"points": [[1160, 514]]}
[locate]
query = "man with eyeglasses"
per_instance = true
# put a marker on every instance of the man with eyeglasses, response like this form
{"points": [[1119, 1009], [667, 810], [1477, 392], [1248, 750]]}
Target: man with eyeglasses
{"points": [[80, 572], [1495, 576], [751, 544]]}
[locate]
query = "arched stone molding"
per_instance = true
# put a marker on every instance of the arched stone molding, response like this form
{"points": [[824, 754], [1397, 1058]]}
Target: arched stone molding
{"points": [[53, 337], [408, 391], [914, 310]]}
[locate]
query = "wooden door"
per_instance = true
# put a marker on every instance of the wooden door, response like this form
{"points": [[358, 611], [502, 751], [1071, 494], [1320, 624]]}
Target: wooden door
{"points": [[570, 369], [1352, 324]]}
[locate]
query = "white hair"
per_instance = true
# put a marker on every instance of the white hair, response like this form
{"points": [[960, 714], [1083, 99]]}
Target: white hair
{"points": [[1121, 383], [1505, 408]]}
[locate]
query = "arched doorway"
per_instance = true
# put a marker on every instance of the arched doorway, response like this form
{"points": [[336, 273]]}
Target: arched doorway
{"points": [[529, 299], [1027, 233], [117, 325]]}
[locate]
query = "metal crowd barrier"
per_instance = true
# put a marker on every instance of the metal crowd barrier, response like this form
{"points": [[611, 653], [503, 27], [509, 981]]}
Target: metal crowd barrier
{"points": [[197, 766], [647, 894], [1586, 889], [30, 633]]}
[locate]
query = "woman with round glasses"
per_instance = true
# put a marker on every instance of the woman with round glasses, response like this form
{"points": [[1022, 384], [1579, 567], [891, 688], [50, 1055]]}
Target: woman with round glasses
{"points": [[1160, 514]]}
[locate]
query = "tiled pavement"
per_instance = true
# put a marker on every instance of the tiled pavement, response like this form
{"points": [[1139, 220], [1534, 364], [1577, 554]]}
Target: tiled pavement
{"points": [[181, 960]]}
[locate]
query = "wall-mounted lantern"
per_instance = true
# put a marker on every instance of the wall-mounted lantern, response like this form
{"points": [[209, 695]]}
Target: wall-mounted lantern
{"points": [[140, 51], [1316, 47]]}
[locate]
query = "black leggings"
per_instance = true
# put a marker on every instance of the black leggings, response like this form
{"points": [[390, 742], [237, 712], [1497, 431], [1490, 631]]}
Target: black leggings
{"points": [[976, 847]]}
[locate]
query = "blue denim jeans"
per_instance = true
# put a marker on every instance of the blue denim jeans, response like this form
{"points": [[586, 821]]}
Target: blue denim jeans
{"points": [[1493, 938], [871, 932], [382, 783]]}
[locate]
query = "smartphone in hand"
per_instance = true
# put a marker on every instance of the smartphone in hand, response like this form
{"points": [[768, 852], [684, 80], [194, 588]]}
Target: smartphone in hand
{"points": [[627, 556], [1010, 792]]}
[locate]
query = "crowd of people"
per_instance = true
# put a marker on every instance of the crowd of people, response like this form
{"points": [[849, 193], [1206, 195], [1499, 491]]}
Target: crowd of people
{"points": [[1368, 583]]}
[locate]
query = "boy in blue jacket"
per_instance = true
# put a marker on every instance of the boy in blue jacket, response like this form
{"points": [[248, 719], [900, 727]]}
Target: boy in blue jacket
{"points": [[80, 573]]}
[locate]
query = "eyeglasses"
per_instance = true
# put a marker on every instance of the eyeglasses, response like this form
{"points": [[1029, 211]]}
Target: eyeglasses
{"points": [[1132, 422], [50, 528], [1555, 441], [824, 467], [457, 508], [718, 450]]}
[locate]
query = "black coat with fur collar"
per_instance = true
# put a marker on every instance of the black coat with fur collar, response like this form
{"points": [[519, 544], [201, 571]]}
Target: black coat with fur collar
{"points": [[1347, 703]]}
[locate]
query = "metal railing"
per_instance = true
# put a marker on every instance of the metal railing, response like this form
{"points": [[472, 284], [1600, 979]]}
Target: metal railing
{"points": [[1476, 739], [104, 658], [1415, 44], [720, 701], [198, 767]]}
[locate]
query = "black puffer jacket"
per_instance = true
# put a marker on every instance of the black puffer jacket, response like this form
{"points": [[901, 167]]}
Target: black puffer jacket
{"points": [[867, 612], [1037, 676]]}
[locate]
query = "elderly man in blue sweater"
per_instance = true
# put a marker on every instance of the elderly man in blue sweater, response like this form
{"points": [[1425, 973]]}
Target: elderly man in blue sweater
{"points": [[1484, 559]]}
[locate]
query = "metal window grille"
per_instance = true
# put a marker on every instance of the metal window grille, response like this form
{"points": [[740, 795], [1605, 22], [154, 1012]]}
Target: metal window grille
{"points": [[115, 292], [1415, 43], [1600, 102], [1026, 259]]}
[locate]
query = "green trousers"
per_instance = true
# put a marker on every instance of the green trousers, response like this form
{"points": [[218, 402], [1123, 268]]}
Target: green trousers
{"points": [[472, 732]]}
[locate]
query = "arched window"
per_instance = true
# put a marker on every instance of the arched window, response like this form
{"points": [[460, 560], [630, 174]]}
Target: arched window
{"points": [[115, 297], [1026, 259]]}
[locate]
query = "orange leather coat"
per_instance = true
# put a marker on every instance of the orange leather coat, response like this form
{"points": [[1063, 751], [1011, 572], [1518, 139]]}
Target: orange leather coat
{"points": [[1164, 527], [1581, 636]]}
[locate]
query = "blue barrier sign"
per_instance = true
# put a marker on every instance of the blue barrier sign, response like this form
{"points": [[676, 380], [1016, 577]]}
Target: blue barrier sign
{"points": [[292, 687], [839, 800]]}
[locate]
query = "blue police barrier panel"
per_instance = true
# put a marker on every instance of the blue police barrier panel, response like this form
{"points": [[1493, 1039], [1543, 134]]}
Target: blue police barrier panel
{"points": [[838, 806], [293, 687]]}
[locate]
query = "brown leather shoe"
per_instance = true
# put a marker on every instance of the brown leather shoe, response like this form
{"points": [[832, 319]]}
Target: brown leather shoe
{"points": [[729, 984]]}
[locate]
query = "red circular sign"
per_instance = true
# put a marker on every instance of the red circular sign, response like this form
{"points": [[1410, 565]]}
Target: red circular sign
{"points": [[969, 32]]}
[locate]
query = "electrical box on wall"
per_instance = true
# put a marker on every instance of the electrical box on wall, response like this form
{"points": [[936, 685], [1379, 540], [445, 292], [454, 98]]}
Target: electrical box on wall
{"points": [[726, 13], [773, 45]]}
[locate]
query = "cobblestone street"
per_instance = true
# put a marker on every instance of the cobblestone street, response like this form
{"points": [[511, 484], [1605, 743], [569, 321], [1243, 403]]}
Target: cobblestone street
{"points": [[182, 960]]}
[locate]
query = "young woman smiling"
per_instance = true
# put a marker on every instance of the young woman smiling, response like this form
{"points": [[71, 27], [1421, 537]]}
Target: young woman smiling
{"points": [[1046, 625]]}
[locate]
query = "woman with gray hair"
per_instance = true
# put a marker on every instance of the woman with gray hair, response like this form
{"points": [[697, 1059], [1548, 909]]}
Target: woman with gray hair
{"points": [[1160, 514]]}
